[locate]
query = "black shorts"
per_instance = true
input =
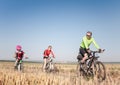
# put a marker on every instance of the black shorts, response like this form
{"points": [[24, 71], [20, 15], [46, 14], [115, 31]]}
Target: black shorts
{"points": [[82, 51], [45, 57]]}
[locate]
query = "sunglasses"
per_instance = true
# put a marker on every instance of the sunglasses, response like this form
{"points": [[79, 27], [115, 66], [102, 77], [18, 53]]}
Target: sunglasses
{"points": [[88, 34]]}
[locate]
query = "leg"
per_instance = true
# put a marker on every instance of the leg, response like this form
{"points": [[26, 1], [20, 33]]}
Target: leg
{"points": [[84, 58], [83, 52], [16, 63], [44, 65]]}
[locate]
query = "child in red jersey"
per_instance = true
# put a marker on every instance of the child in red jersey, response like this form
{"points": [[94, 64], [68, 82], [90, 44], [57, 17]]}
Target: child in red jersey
{"points": [[46, 54], [18, 54]]}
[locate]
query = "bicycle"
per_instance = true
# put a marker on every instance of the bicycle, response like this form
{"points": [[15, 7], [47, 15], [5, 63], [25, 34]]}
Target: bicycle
{"points": [[49, 66], [19, 65], [91, 67]]}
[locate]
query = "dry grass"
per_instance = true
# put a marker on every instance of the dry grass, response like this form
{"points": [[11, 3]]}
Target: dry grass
{"points": [[33, 75]]}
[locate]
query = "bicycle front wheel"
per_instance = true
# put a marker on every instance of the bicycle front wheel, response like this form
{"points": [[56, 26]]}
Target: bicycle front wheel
{"points": [[19, 67], [50, 67], [100, 71]]}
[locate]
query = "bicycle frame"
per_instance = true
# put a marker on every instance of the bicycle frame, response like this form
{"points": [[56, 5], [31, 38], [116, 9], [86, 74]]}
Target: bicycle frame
{"points": [[92, 61]]}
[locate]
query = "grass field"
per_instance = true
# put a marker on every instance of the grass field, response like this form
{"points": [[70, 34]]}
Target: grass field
{"points": [[66, 75]]}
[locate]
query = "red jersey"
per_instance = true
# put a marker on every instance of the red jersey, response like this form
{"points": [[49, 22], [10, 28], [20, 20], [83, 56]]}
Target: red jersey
{"points": [[48, 52], [19, 54]]}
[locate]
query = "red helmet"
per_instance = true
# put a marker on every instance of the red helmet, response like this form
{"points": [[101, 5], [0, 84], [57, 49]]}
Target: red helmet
{"points": [[18, 47]]}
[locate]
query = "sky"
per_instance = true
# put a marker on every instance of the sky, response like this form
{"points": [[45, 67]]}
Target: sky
{"points": [[35, 24]]}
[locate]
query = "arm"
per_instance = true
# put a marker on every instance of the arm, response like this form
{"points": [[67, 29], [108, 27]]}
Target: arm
{"points": [[96, 45], [15, 55], [52, 54], [26, 57]]}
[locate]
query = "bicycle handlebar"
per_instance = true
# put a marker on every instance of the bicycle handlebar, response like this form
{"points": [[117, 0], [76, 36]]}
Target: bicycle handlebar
{"points": [[98, 51]]}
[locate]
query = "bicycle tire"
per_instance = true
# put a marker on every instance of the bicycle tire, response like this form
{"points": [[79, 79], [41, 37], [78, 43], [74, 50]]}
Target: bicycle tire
{"points": [[100, 71], [48, 67], [51, 67], [19, 67], [80, 71]]}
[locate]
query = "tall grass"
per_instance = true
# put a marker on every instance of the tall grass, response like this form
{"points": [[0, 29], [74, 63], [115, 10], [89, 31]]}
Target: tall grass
{"points": [[33, 75]]}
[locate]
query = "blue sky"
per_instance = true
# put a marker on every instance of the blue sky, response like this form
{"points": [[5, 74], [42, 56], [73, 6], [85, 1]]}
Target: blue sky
{"points": [[35, 24]]}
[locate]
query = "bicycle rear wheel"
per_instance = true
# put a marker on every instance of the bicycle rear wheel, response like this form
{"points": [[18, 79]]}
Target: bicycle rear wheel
{"points": [[100, 71], [78, 69]]}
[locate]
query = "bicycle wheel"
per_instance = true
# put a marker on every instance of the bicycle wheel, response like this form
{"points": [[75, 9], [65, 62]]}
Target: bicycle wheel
{"points": [[52, 66], [100, 71], [80, 70], [19, 67], [47, 68]]}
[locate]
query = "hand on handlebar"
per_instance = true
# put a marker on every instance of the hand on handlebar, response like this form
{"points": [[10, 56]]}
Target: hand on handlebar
{"points": [[101, 51]]}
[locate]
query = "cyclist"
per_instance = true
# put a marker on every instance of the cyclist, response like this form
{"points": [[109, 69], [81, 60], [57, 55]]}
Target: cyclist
{"points": [[84, 46], [18, 55], [46, 54]]}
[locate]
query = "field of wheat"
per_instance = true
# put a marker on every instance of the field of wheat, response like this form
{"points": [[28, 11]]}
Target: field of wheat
{"points": [[65, 75]]}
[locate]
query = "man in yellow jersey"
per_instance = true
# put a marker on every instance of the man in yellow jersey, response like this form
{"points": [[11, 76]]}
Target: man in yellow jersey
{"points": [[84, 47]]}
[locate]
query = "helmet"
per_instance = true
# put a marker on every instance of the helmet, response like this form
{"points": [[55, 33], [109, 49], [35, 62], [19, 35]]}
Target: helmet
{"points": [[49, 46], [18, 47], [89, 33]]}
